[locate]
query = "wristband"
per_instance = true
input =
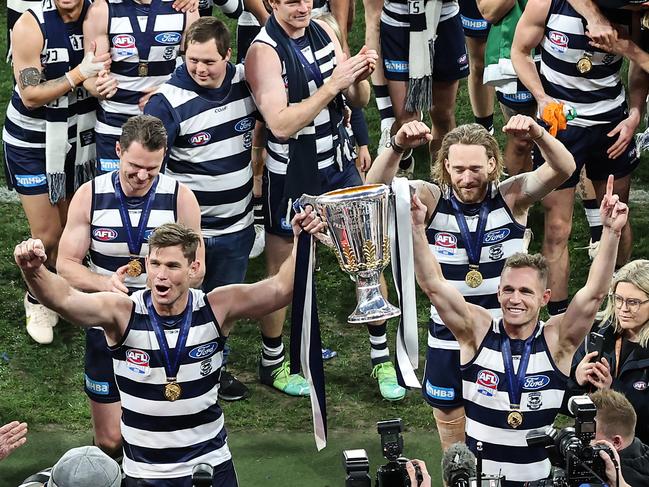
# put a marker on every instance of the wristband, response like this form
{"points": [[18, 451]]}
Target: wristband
{"points": [[392, 144], [70, 81], [539, 137]]}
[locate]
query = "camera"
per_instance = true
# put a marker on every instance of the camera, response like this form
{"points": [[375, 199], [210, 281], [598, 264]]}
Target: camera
{"points": [[577, 462], [393, 473]]}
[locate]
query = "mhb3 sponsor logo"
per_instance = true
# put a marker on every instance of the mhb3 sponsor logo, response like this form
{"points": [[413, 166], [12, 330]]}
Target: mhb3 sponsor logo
{"points": [[30, 180], [436, 392]]}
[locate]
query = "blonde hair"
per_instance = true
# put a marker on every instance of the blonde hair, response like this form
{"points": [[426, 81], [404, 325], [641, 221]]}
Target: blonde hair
{"points": [[331, 21], [537, 262], [468, 134], [635, 272], [615, 414]]}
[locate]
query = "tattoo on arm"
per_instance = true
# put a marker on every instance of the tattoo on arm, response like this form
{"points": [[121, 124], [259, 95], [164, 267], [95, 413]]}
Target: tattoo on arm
{"points": [[30, 77]]}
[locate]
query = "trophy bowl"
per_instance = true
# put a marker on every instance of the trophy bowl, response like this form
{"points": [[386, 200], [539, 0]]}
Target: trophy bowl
{"points": [[357, 223]]}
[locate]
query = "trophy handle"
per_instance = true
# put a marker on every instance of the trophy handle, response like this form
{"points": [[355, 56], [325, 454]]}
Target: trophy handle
{"points": [[307, 199]]}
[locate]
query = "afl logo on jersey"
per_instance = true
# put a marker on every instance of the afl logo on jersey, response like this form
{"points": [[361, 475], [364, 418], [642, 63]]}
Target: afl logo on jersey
{"points": [[124, 41], [640, 385], [487, 382], [445, 243], [168, 38], [558, 41], [244, 125], [104, 234], [495, 236], [200, 138], [137, 361]]}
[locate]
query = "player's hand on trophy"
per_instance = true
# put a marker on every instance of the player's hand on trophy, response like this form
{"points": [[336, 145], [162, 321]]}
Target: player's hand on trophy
{"points": [[30, 254], [307, 220], [417, 212], [413, 134]]}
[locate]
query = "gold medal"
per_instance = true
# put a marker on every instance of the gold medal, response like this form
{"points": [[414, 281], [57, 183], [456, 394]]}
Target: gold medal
{"points": [[134, 268], [515, 419], [584, 65], [142, 69], [172, 391], [473, 278]]}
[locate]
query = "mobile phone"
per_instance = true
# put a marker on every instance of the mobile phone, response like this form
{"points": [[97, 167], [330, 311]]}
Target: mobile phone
{"points": [[595, 343]]}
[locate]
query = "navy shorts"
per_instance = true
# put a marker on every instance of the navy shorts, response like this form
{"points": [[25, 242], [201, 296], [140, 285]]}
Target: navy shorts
{"points": [[99, 377], [224, 476], [442, 387], [25, 170], [450, 62], [275, 205], [107, 160], [521, 102], [473, 23], [588, 145], [245, 35]]}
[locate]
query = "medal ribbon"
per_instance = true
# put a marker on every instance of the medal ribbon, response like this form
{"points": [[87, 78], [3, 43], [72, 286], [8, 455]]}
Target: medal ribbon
{"points": [[143, 40], [171, 368], [473, 246], [134, 239], [515, 382]]}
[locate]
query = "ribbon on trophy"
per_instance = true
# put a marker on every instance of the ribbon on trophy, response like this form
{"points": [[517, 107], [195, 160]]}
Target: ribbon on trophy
{"points": [[306, 343], [403, 272], [515, 381]]}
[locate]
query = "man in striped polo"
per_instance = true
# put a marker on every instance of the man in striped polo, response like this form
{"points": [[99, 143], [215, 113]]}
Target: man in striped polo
{"points": [[167, 346], [210, 116], [514, 369], [474, 223]]}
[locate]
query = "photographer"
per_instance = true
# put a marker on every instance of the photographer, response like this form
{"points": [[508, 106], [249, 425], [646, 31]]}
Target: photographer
{"points": [[424, 481], [623, 360], [613, 476], [616, 422]]}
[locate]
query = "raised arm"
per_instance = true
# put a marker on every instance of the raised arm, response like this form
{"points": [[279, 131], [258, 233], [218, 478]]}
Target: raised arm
{"points": [[577, 321], [189, 214], [34, 90], [522, 191], [257, 8], [494, 10], [259, 299], [529, 33], [111, 311], [467, 322], [264, 75], [598, 27]]}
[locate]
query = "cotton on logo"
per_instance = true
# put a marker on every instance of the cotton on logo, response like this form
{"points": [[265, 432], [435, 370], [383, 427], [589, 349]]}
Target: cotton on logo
{"points": [[124, 41], [104, 234]]}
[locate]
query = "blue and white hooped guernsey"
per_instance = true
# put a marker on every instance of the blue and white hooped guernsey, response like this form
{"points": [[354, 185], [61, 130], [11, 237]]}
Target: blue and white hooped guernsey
{"points": [[167, 34], [486, 403], [503, 237], [211, 153], [597, 96], [277, 158], [108, 241], [165, 439], [395, 12]]}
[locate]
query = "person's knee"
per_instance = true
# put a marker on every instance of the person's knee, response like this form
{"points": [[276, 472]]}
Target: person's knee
{"points": [[557, 233], [451, 425], [443, 117], [109, 440]]}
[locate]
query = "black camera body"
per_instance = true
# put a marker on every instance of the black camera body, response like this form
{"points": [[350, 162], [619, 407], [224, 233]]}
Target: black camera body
{"points": [[577, 462], [393, 473]]}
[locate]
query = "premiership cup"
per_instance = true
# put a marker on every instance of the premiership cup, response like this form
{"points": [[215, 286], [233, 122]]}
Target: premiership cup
{"points": [[357, 222]]}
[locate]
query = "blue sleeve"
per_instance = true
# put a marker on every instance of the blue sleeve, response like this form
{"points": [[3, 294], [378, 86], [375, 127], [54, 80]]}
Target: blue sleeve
{"points": [[359, 127], [158, 106]]}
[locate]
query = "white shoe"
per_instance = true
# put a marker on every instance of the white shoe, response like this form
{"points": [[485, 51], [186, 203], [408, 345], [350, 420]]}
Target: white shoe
{"points": [[40, 322], [383, 141], [260, 242]]}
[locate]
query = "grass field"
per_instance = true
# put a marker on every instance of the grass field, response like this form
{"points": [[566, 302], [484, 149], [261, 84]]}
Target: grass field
{"points": [[43, 385]]}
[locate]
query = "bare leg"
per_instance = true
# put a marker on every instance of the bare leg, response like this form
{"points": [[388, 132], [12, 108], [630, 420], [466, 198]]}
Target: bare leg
{"points": [[443, 113], [450, 426], [518, 153], [277, 250], [106, 426], [481, 95], [46, 221]]}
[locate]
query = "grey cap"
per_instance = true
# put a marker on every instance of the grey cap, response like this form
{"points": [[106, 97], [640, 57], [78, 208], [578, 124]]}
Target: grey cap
{"points": [[86, 466]]}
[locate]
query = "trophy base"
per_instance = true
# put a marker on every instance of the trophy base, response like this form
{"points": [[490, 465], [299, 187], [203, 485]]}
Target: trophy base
{"points": [[372, 306]]}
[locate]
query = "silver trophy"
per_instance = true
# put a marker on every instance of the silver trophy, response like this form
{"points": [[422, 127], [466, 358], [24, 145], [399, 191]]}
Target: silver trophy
{"points": [[357, 221]]}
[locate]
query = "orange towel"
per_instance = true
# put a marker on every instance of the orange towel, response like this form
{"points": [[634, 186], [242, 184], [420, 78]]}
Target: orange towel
{"points": [[554, 116]]}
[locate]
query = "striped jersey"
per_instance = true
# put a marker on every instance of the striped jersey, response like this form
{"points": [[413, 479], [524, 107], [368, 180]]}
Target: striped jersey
{"points": [[26, 128], [125, 54], [108, 241], [231, 8], [325, 58], [395, 12], [212, 148], [503, 236], [165, 439], [597, 96], [486, 403]]}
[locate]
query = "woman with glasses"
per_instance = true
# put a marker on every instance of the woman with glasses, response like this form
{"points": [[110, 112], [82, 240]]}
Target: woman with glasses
{"points": [[623, 362]]}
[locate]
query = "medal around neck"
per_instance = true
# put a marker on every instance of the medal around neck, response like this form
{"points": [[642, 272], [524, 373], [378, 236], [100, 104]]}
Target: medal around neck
{"points": [[515, 419], [173, 391], [473, 278], [584, 65], [134, 268]]}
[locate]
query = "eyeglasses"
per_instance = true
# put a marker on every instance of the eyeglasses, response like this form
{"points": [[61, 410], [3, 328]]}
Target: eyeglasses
{"points": [[632, 304]]}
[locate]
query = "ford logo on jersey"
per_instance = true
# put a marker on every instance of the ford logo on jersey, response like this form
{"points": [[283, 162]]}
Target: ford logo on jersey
{"points": [[244, 125], [124, 41], [203, 351], [168, 38], [104, 234], [147, 234], [200, 138], [535, 382], [496, 236]]}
